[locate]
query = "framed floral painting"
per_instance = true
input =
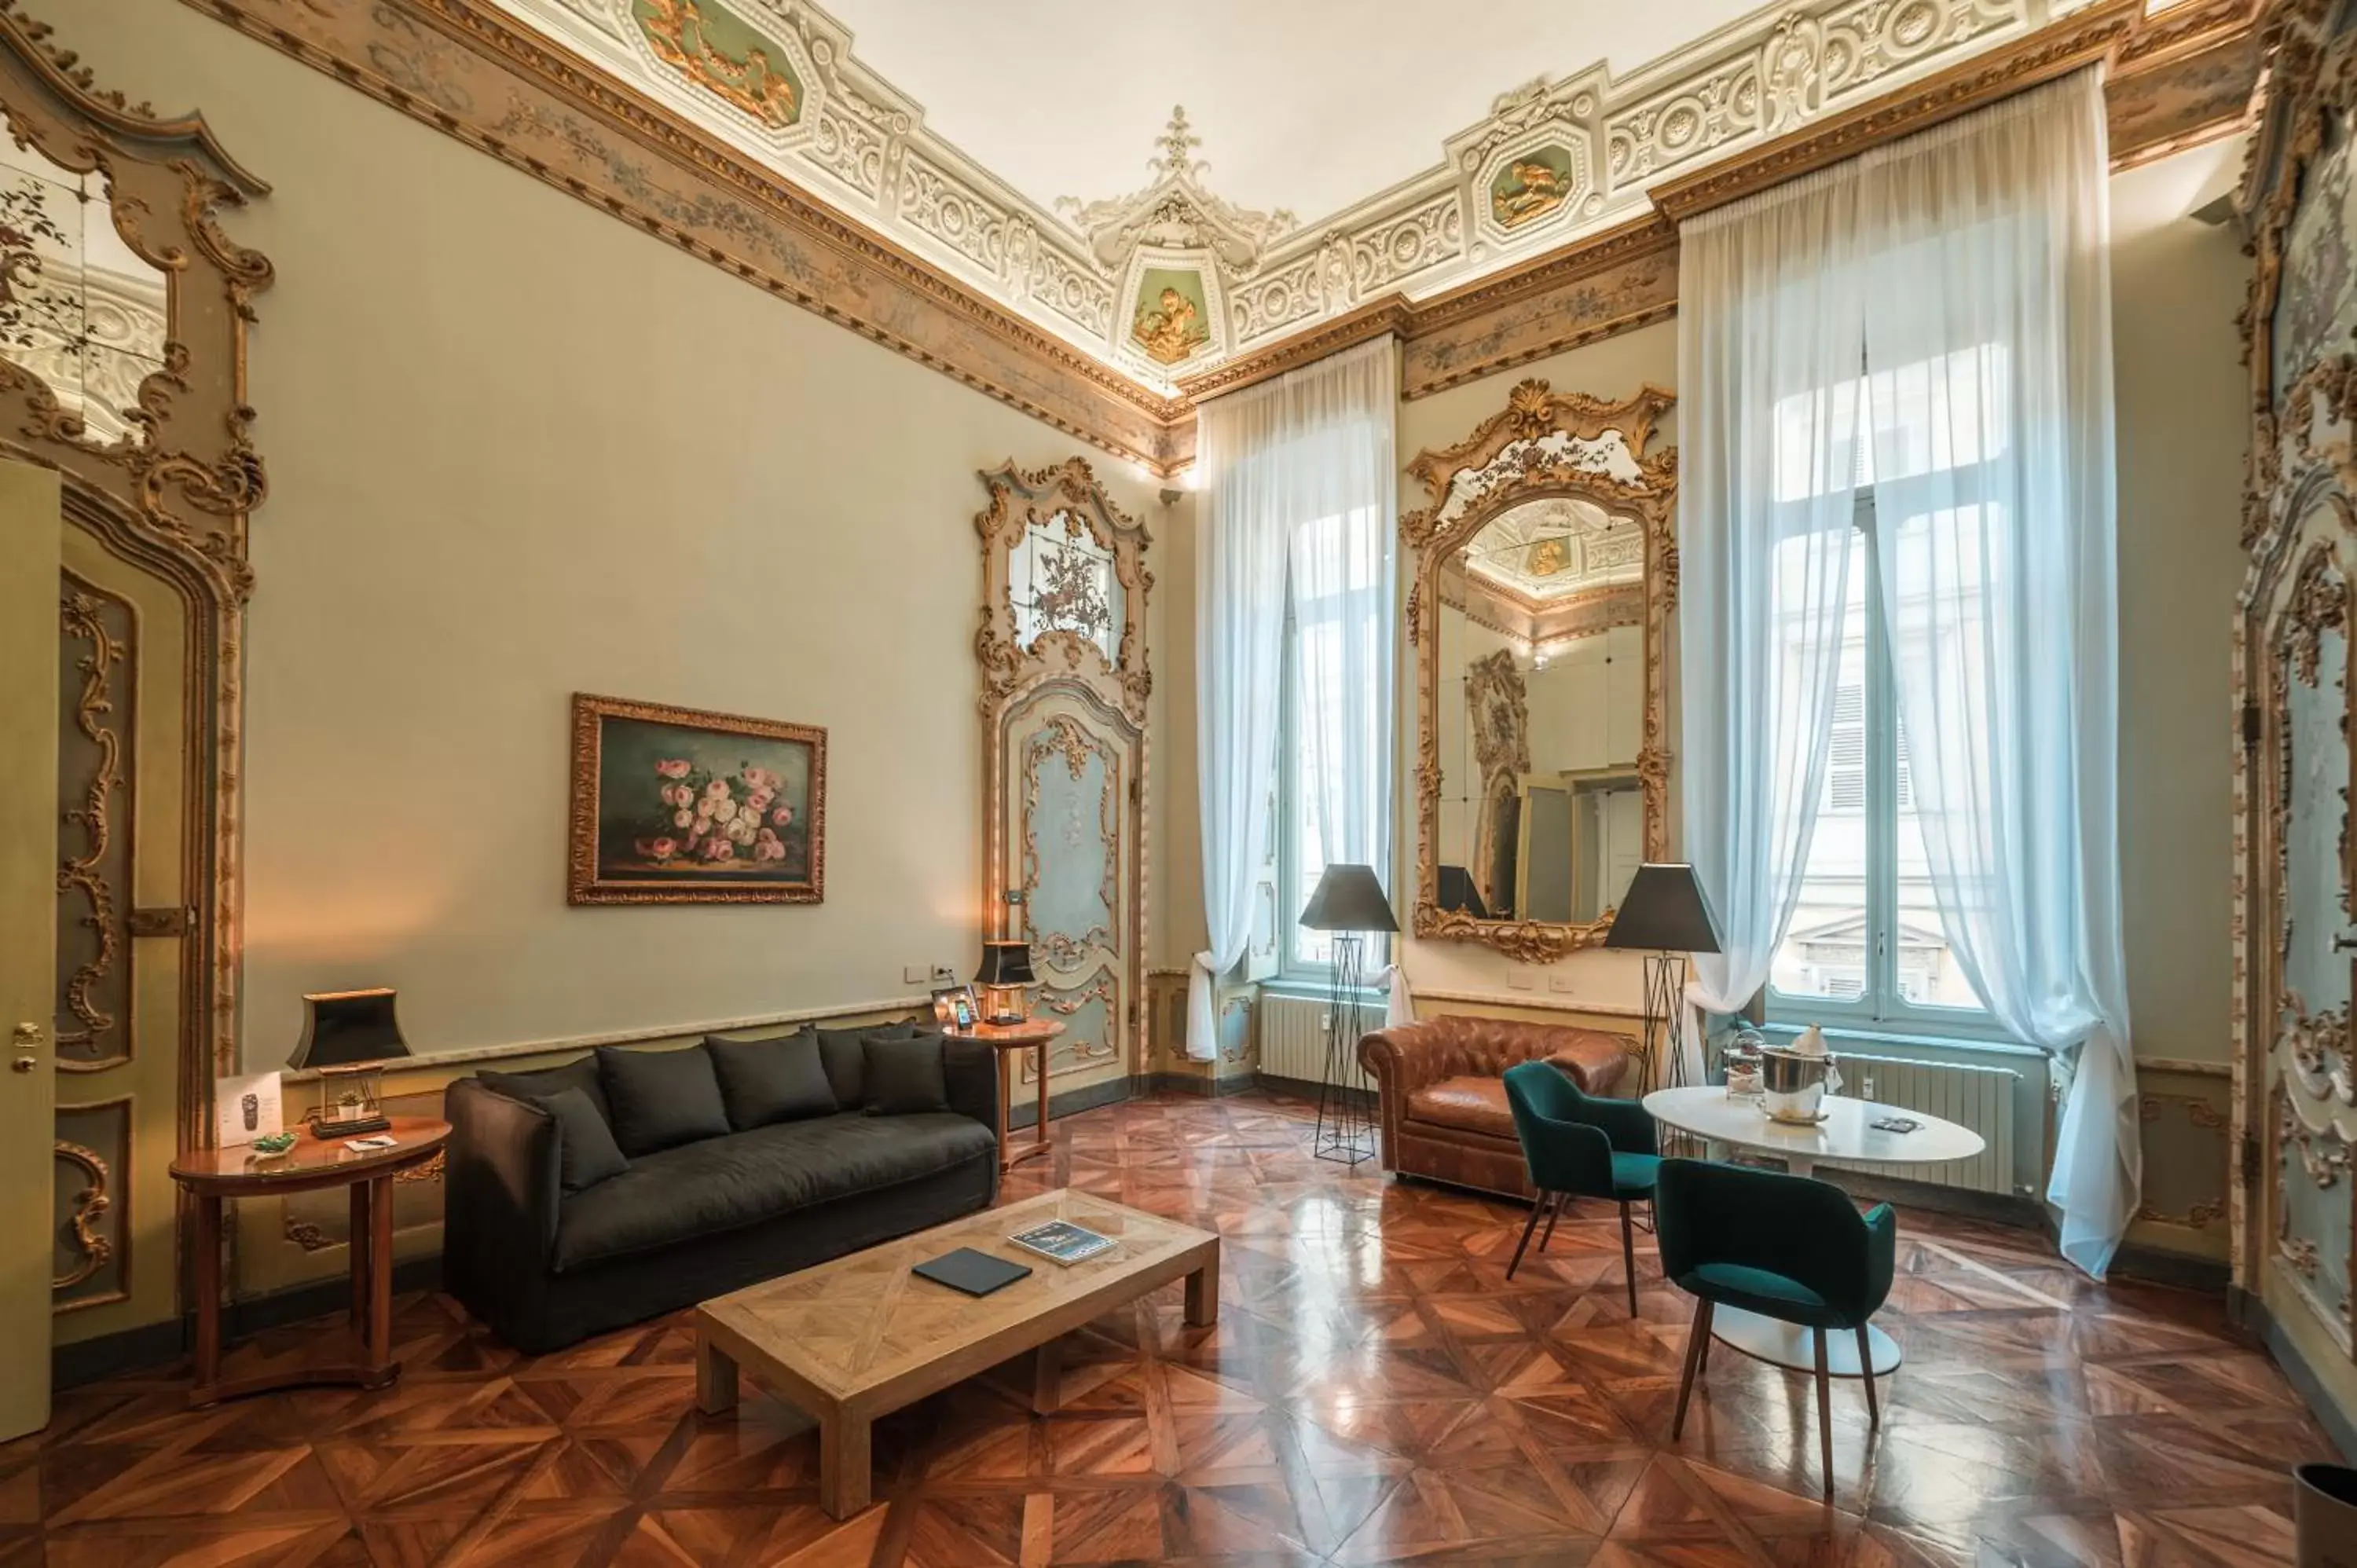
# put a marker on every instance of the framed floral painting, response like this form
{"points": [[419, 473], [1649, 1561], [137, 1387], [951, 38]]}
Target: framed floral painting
{"points": [[678, 806]]}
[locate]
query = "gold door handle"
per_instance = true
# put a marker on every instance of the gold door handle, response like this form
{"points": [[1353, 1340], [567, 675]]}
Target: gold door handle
{"points": [[27, 1041]]}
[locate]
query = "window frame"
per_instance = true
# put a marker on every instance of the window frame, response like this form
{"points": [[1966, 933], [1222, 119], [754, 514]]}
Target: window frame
{"points": [[1880, 1006], [1294, 967]]}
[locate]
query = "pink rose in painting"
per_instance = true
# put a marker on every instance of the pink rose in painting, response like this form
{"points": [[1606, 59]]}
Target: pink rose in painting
{"points": [[759, 779], [783, 816], [718, 848], [717, 791], [760, 800], [678, 795], [772, 850], [683, 819], [672, 769], [663, 849]]}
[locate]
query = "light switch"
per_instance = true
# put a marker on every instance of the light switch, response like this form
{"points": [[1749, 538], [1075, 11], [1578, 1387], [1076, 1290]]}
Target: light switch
{"points": [[1521, 977], [913, 974]]}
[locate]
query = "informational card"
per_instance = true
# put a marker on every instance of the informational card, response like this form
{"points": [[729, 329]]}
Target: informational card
{"points": [[245, 1109]]}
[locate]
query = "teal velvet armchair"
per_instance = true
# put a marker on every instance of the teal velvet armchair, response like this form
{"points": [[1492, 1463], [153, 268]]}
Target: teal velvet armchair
{"points": [[1786, 1247], [1580, 1145]]}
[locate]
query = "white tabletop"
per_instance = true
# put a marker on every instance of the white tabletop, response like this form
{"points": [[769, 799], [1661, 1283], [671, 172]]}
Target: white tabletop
{"points": [[1847, 1134]]}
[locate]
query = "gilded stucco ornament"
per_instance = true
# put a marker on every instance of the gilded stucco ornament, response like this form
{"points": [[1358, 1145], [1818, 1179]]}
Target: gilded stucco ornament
{"points": [[2292, 1089]]}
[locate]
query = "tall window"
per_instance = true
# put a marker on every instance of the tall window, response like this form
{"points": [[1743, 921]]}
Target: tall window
{"points": [[1339, 569], [1867, 944]]}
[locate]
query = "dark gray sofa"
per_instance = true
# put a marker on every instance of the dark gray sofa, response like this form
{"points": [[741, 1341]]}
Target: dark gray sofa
{"points": [[545, 1267]]}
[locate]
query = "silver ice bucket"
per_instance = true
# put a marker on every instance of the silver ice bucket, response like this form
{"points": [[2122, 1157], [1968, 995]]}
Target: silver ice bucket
{"points": [[1792, 1085]]}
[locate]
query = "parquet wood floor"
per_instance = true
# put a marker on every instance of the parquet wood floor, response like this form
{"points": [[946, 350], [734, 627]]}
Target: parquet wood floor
{"points": [[1376, 1391]]}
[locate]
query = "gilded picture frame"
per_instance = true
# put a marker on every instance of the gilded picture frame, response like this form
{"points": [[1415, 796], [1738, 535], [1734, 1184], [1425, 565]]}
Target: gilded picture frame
{"points": [[674, 805]]}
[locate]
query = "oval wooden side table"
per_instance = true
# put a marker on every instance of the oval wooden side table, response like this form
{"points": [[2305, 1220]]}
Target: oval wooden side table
{"points": [[361, 1353], [1008, 1041]]}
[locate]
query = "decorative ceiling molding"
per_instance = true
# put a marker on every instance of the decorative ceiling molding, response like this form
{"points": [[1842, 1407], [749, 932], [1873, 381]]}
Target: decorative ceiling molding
{"points": [[683, 133], [1171, 281]]}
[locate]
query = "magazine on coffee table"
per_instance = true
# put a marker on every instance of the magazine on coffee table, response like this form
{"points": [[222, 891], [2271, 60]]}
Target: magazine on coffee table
{"points": [[1061, 1242]]}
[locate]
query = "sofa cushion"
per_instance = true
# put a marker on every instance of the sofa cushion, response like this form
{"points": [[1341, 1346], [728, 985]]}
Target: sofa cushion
{"points": [[587, 1153], [903, 1076], [658, 1100], [746, 1177], [536, 1086], [845, 1053], [1469, 1104], [763, 1082]]}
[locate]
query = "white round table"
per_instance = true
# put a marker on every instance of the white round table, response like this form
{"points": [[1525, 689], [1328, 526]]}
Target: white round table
{"points": [[1848, 1134]]}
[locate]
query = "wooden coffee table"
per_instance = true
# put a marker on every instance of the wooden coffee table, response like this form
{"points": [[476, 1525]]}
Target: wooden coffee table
{"points": [[861, 1337]]}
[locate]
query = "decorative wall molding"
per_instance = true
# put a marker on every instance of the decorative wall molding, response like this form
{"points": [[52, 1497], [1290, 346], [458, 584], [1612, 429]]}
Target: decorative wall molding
{"points": [[912, 244]]}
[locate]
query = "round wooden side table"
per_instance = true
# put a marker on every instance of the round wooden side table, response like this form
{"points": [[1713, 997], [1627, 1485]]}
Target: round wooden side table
{"points": [[361, 1354], [1010, 1040]]}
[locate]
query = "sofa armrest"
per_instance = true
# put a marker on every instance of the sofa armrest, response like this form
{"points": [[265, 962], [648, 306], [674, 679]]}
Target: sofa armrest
{"points": [[501, 1192], [970, 1068]]}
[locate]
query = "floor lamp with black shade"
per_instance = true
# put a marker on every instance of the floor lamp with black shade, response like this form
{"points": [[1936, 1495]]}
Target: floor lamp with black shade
{"points": [[1666, 916], [1350, 905]]}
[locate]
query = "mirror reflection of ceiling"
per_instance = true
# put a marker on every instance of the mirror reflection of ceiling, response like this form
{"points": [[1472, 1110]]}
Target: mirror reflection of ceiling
{"points": [[1025, 151], [1556, 549], [78, 308]]}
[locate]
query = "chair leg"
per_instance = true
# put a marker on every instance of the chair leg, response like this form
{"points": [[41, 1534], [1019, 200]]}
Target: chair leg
{"points": [[1555, 1212], [1629, 1255], [1528, 1226], [1865, 1370], [1696, 1338], [1702, 1362], [1825, 1411]]}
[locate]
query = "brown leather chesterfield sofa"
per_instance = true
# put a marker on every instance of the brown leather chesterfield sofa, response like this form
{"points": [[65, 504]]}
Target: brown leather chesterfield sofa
{"points": [[1443, 1095]]}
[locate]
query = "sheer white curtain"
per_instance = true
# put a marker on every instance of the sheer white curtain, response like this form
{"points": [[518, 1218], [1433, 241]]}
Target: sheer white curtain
{"points": [[1299, 469], [1989, 343], [1770, 338], [1345, 408]]}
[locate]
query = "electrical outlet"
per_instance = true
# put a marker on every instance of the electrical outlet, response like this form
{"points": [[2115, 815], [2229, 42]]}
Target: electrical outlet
{"points": [[944, 975], [1521, 977], [1558, 980]]}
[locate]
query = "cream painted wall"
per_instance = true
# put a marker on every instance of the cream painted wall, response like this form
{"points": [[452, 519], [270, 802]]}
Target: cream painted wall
{"points": [[2183, 406], [518, 449]]}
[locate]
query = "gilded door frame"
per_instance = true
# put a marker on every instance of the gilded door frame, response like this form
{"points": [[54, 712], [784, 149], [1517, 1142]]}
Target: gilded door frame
{"points": [[1116, 688], [172, 497]]}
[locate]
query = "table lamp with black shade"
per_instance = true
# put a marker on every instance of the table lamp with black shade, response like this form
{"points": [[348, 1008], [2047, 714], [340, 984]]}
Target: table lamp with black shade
{"points": [[1666, 916], [1005, 968], [348, 1037], [1350, 905]]}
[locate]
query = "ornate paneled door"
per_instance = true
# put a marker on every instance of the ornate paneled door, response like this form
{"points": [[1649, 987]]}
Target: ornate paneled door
{"points": [[123, 894], [1069, 856], [29, 530], [1064, 686], [2299, 671]]}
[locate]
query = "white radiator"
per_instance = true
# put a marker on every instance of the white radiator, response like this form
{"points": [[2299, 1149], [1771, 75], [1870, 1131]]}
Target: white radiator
{"points": [[1977, 1097], [1293, 1037]]}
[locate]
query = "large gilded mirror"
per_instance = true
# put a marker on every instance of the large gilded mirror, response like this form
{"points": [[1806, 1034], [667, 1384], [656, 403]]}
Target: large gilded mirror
{"points": [[1544, 574]]}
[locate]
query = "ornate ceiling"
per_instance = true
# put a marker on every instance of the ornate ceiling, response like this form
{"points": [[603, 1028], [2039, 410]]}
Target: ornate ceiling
{"points": [[1168, 280]]}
